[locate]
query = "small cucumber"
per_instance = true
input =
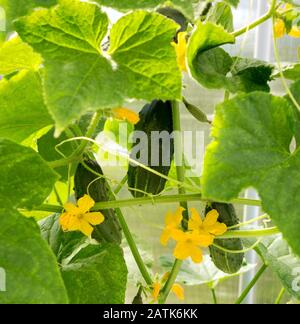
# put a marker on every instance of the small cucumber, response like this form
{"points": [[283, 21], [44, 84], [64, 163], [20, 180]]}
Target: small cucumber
{"points": [[87, 182], [154, 117], [225, 261]]}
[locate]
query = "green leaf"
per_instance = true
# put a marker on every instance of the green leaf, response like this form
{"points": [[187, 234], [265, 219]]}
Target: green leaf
{"points": [[78, 78], [221, 14], [18, 8], [250, 75], [252, 135], [26, 180], [214, 68], [291, 72], [277, 254], [207, 273], [47, 145], [295, 90], [22, 110], [16, 55], [206, 37], [32, 274], [234, 3], [185, 6], [96, 275], [62, 244], [152, 70]]}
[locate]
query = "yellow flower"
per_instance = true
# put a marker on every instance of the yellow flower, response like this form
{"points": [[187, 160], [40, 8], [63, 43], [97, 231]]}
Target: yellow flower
{"points": [[180, 48], [172, 222], [209, 226], [279, 28], [176, 289], [295, 32], [188, 244], [126, 114], [78, 218]]}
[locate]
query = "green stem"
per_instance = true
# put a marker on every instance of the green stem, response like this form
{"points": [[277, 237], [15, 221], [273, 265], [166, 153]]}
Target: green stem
{"points": [[250, 233], [133, 248], [171, 279], [279, 297], [76, 155], [58, 199], [120, 185], [214, 296], [151, 201], [251, 284], [180, 171], [257, 22]]}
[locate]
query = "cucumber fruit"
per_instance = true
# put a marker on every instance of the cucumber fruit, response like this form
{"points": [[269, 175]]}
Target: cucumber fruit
{"points": [[154, 117], [225, 261], [85, 183]]}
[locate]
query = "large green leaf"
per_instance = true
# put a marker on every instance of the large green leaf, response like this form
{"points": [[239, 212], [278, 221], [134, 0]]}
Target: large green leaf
{"points": [[78, 78], [96, 275], [277, 254], [22, 109], [26, 180], [16, 55], [214, 68], [251, 147], [141, 46], [32, 274], [206, 37]]}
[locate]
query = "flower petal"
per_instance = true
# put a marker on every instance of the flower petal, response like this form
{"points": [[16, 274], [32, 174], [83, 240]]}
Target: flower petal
{"points": [[126, 114], [181, 48], [69, 222], [178, 235], [85, 228], [165, 236], [196, 254], [211, 218], [155, 290], [178, 291], [94, 218], [295, 32], [195, 220], [202, 239], [279, 28], [85, 203], [218, 229], [71, 208], [182, 250]]}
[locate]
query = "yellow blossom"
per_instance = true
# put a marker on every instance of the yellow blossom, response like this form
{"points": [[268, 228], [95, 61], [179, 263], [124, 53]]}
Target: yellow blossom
{"points": [[181, 47], [78, 218], [209, 225], [172, 222], [279, 28], [176, 289], [126, 114], [189, 243], [295, 32]]}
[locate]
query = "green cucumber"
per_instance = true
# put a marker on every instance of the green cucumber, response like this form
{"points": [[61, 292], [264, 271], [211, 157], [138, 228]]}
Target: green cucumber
{"points": [[225, 261], [154, 117], [87, 182]]}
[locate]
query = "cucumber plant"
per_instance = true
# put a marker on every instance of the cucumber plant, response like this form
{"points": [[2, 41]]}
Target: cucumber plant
{"points": [[66, 69]]}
